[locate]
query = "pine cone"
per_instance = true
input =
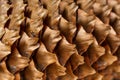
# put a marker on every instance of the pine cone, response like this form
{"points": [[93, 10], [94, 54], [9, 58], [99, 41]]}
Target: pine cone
{"points": [[59, 39]]}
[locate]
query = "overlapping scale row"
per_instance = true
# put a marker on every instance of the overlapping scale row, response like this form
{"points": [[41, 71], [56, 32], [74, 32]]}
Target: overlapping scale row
{"points": [[59, 39]]}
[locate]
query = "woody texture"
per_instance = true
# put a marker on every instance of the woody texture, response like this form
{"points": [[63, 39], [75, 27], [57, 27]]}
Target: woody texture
{"points": [[59, 39]]}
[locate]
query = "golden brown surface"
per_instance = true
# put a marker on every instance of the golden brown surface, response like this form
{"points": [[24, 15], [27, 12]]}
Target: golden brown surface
{"points": [[59, 39]]}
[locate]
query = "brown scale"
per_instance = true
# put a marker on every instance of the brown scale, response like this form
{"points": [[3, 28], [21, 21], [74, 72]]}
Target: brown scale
{"points": [[70, 12], [53, 16], [53, 71], [94, 52], [31, 73], [117, 26], [85, 5], [4, 73], [17, 16], [44, 57], [67, 29], [84, 71], [86, 20], [76, 60], [105, 60], [65, 50], [27, 45], [34, 24], [101, 31], [50, 38], [4, 7], [103, 11], [48, 61], [69, 74], [83, 40], [16, 62], [113, 40], [111, 72], [10, 37], [4, 50]]}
